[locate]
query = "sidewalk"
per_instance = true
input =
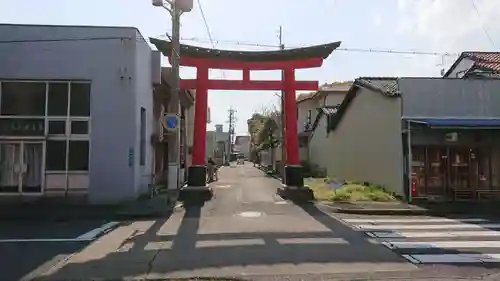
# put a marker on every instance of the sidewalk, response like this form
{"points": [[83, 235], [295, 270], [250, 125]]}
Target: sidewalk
{"points": [[157, 207], [403, 208]]}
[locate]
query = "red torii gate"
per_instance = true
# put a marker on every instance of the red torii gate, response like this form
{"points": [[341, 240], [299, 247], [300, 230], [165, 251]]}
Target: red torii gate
{"points": [[286, 60]]}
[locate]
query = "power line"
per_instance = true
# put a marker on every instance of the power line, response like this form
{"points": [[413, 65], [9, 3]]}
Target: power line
{"points": [[483, 26], [359, 50], [206, 24], [208, 31], [201, 40]]}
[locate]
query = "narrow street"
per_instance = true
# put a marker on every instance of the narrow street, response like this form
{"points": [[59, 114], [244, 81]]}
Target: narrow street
{"points": [[245, 231]]}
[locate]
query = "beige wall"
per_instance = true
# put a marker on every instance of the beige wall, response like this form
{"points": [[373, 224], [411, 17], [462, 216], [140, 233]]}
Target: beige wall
{"points": [[319, 142], [367, 144], [303, 107]]}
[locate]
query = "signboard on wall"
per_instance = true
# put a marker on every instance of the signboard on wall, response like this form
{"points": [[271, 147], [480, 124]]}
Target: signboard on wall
{"points": [[22, 127]]}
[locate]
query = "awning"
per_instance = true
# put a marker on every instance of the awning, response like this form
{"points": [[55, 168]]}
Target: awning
{"points": [[458, 122]]}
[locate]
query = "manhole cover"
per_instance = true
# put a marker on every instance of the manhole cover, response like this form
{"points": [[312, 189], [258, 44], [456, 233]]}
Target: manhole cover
{"points": [[251, 214]]}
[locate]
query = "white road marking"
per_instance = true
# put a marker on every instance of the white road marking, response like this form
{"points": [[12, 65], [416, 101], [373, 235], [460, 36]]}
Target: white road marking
{"points": [[229, 243], [413, 220], [485, 233], [427, 226], [295, 241], [454, 258], [441, 244], [250, 214], [89, 236], [45, 240], [96, 232]]}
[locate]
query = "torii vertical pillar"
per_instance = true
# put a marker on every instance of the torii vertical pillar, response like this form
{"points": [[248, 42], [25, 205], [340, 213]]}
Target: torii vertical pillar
{"points": [[197, 173], [293, 170]]}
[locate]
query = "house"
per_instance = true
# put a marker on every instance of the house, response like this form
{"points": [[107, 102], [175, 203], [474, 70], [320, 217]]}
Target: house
{"points": [[312, 127], [475, 65], [217, 144], [419, 137], [242, 145], [77, 112]]}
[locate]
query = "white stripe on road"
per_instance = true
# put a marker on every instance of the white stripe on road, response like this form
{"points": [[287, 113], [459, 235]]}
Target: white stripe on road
{"points": [[430, 226], [45, 240], [413, 220], [441, 244], [98, 231], [485, 233], [89, 236], [454, 258]]}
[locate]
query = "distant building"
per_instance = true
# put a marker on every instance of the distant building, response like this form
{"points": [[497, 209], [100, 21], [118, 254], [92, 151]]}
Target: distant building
{"points": [[217, 141], [242, 145]]}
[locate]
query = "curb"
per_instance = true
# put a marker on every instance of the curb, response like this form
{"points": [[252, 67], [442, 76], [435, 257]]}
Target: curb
{"points": [[406, 212], [115, 216]]}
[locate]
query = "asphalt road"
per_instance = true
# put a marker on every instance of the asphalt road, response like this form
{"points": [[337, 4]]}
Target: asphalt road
{"points": [[29, 247], [247, 231]]}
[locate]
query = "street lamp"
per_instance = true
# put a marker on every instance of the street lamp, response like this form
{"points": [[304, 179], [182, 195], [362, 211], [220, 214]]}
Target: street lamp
{"points": [[175, 8]]}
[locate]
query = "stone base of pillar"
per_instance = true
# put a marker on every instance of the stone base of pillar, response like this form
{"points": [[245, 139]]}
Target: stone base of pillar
{"points": [[294, 176], [191, 195], [196, 191], [293, 187], [197, 176]]}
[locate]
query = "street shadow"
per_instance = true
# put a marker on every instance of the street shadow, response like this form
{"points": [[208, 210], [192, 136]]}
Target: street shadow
{"points": [[21, 256], [213, 254], [188, 252]]}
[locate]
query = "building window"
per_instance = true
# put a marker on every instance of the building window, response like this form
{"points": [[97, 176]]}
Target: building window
{"points": [[309, 116], [80, 99], [143, 137], [57, 127], [56, 155], [58, 99], [79, 127], [23, 98], [78, 155]]}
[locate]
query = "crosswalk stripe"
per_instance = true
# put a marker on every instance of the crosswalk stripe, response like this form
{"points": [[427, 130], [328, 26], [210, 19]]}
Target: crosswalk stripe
{"points": [[427, 227], [485, 233], [414, 220], [442, 244], [454, 258], [423, 240]]}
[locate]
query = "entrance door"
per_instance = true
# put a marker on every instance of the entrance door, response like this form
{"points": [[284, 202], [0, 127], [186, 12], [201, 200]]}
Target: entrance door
{"points": [[21, 167]]}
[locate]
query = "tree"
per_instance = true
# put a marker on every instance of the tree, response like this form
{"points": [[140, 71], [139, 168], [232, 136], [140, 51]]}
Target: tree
{"points": [[264, 131]]}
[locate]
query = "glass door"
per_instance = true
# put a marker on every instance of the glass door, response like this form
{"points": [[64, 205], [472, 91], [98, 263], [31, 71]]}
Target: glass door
{"points": [[32, 170], [21, 167], [10, 167], [437, 159]]}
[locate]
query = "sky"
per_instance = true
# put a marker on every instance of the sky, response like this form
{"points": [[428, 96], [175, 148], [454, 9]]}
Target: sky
{"points": [[440, 26]]}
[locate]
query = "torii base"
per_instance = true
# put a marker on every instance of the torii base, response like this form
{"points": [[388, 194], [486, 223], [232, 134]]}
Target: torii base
{"points": [[293, 186], [196, 191]]}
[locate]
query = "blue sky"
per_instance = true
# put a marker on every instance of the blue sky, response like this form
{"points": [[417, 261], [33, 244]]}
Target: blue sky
{"points": [[424, 25]]}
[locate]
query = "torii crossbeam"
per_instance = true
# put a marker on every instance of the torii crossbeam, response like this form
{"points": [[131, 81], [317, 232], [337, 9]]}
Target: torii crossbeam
{"points": [[286, 60]]}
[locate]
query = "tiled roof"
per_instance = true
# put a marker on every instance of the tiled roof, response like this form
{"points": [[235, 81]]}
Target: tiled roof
{"points": [[323, 88], [489, 60], [386, 85]]}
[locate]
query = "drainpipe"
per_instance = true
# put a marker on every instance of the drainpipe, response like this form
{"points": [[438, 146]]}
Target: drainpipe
{"points": [[410, 179]]}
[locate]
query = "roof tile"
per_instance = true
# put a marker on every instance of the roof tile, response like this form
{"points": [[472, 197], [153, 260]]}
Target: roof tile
{"points": [[386, 85], [490, 60]]}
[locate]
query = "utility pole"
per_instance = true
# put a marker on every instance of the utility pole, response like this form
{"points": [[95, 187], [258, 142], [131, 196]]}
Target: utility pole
{"points": [[231, 133], [175, 8], [174, 141], [283, 152]]}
